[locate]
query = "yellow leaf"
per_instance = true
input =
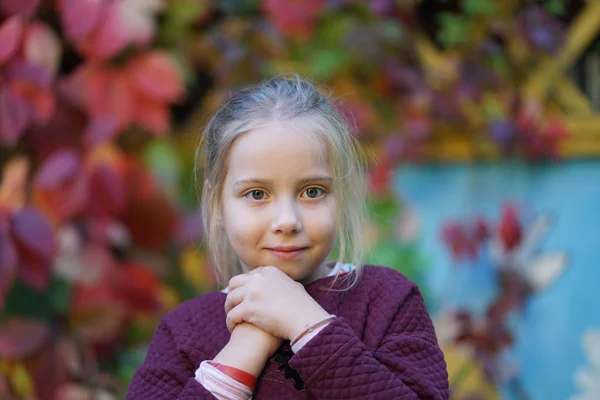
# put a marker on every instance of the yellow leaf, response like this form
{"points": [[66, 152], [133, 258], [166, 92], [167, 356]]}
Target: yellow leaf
{"points": [[168, 297], [21, 381], [193, 267], [466, 375]]}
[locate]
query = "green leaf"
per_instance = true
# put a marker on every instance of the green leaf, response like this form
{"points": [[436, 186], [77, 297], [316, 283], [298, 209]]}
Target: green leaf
{"points": [[162, 158], [27, 302], [478, 7], [391, 30], [555, 7], [238, 7], [453, 30], [383, 211], [328, 62], [60, 295]]}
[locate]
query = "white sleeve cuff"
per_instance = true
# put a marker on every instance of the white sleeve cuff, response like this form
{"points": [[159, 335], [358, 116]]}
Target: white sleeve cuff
{"points": [[221, 385]]}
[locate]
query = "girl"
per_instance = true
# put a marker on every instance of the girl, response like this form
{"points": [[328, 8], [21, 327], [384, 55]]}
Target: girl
{"points": [[282, 188]]}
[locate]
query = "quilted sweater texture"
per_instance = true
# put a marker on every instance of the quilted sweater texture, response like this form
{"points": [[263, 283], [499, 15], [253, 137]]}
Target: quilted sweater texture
{"points": [[382, 345]]}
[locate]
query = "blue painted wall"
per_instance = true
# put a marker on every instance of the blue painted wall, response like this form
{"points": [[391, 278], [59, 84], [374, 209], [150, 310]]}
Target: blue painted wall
{"points": [[548, 337]]}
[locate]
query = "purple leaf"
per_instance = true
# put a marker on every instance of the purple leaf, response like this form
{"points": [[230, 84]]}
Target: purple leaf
{"points": [[60, 167], [190, 229], [101, 130], [14, 115], [31, 230], [504, 133], [38, 74]]}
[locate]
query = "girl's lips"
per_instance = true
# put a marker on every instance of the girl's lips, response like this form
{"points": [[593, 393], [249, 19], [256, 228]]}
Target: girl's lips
{"points": [[287, 253]]}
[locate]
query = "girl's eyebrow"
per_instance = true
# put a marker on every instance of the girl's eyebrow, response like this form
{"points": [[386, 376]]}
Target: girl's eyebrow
{"points": [[245, 181]]}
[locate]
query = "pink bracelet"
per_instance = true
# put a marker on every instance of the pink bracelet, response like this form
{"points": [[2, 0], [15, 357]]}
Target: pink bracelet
{"points": [[310, 328]]}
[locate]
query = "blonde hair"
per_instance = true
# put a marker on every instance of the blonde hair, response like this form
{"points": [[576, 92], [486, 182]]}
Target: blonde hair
{"points": [[281, 99]]}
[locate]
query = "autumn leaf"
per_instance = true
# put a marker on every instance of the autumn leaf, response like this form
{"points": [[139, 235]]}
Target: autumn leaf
{"points": [[42, 47], [96, 315], [8, 261], [33, 233], [138, 287], [80, 17], [156, 75], [11, 32], [24, 8], [294, 18], [21, 337]]}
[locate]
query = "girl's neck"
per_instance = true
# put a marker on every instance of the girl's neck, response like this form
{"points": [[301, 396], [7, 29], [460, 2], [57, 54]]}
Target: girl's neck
{"points": [[321, 272]]}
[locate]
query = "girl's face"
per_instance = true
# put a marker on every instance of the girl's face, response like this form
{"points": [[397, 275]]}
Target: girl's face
{"points": [[278, 205]]}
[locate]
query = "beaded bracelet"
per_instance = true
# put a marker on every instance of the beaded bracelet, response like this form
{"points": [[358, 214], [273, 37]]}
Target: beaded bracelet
{"points": [[310, 328]]}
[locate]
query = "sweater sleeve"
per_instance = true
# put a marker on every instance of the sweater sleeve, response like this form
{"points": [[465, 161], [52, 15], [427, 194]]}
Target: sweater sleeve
{"points": [[407, 365], [166, 372]]}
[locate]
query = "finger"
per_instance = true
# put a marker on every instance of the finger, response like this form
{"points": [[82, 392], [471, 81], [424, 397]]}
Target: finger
{"points": [[238, 281], [237, 315], [234, 297], [256, 270]]}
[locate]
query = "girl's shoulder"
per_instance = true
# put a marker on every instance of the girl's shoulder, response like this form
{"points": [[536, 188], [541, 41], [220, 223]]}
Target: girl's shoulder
{"points": [[198, 311], [382, 277]]}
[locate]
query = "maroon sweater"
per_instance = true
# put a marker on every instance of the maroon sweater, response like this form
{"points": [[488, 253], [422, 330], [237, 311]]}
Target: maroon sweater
{"points": [[382, 345]]}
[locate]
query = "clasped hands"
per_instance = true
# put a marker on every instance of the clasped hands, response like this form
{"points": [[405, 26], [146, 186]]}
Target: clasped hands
{"points": [[272, 301]]}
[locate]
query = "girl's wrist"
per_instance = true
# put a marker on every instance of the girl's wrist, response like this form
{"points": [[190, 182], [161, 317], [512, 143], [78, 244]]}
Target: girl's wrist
{"points": [[302, 326], [241, 356]]}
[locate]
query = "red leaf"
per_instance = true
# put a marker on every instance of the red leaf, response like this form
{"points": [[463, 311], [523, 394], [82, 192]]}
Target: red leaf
{"points": [[67, 200], [156, 75], [54, 356], [149, 216], [42, 105], [20, 338], [138, 287], [35, 272], [10, 36], [75, 87], [110, 36], [111, 96], [33, 232], [8, 261], [109, 190], [42, 47], [152, 115], [80, 17], [293, 18], [96, 315], [510, 229], [379, 178], [25, 8]]}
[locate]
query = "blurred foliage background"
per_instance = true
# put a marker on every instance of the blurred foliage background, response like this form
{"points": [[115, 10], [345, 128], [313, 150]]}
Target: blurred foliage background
{"points": [[102, 103]]}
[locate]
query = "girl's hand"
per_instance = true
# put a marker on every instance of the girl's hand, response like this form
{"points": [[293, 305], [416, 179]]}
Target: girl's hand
{"points": [[271, 300], [248, 349]]}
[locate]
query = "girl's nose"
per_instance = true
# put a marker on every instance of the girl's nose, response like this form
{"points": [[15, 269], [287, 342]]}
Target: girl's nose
{"points": [[286, 219]]}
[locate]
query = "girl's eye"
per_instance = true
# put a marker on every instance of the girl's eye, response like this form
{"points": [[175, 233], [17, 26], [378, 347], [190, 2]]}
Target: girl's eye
{"points": [[314, 192], [256, 194]]}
